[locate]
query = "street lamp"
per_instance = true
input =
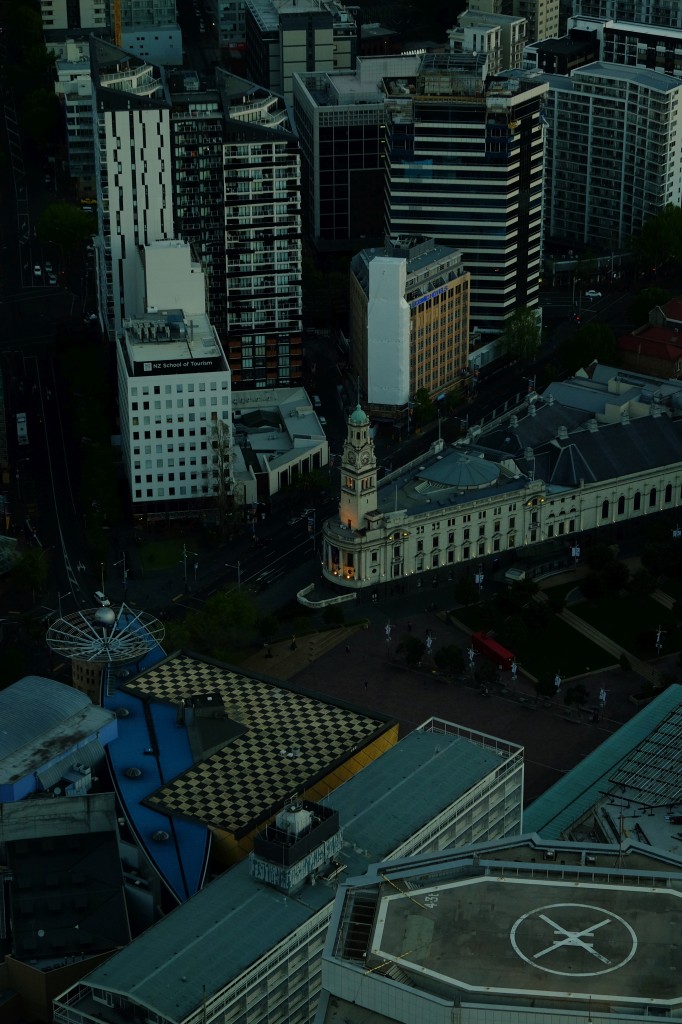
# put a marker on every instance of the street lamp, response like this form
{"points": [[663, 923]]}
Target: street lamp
{"points": [[238, 567], [185, 553], [125, 574]]}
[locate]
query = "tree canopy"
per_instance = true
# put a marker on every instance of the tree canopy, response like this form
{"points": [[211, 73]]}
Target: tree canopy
{"points": [[644, 302], [521, 336], [660, 240], [594, 341], [64, 224]]}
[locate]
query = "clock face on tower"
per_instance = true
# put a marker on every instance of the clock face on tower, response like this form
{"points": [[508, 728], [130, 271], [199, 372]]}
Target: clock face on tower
{"points": [[364, 458], [351, 457]]}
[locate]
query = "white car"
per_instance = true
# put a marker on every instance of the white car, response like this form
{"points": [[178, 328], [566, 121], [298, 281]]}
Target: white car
{"points": [[48, 267], [592, 295], [37, 270], [102, 599], [51, 278]]}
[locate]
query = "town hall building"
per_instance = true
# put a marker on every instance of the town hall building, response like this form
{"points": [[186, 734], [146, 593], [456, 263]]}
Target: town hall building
{"points": [[602, 448]]}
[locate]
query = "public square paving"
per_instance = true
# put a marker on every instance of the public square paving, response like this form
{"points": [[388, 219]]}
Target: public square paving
{"points": [[363, 668]]}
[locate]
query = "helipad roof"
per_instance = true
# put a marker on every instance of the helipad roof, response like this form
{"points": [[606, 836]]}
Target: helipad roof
{"points": [[506, 935]]}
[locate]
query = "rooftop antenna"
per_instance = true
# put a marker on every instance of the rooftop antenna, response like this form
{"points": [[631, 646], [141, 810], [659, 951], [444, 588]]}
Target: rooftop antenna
{"points": [[358, 389]]}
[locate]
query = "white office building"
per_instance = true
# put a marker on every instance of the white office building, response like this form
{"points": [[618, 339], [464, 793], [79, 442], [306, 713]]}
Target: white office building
{"points": [[614, 155], [131, 111], [409, 322], [82, 15], [501, 37], [174, 388]]}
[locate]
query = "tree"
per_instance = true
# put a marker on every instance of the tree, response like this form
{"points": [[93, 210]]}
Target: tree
{"points": [[31, 569], [466, 591], [412, 650], [41, 118], [221, 443], [644, 302], [424, 408], [64, 224], [450, 659], [521, 336], [660, 240], [594, 341]]}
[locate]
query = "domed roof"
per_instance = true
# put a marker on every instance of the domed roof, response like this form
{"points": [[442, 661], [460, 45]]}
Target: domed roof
{"points": [[358, 418]]}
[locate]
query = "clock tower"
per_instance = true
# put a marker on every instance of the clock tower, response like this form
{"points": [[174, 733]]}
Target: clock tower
{"points": [[358, 472]]}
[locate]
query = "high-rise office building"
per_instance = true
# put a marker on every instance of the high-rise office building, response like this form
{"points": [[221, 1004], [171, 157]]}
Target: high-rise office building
{"points": [[644, 12], [238, 200], [340, 122], [656, 47], [284, 37], [464, 164], [75, 15], [614, 156], [542, 17], [131, 112]]}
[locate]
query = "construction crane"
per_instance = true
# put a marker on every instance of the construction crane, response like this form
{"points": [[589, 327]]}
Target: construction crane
{"points": [[116, 18]]}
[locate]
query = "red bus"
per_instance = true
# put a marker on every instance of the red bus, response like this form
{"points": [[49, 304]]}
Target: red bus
{"points": [[485, 644]]}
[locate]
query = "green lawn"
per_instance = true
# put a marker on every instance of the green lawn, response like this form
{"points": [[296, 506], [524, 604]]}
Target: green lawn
{"points": [[161, 554], [625, 619], [555, 647]]}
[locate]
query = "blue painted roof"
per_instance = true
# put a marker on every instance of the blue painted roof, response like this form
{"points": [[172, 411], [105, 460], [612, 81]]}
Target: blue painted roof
{"points": [[181, 859]]}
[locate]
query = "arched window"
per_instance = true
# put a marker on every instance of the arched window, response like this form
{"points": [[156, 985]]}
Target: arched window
{"points": [[637, 502], [668, 493], [652, 497], [621, 505], [605, 510]]}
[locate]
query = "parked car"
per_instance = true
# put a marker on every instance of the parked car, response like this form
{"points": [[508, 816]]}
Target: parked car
{"points": [[51, 278], [592, 294], [37, 270], [48, 267]]}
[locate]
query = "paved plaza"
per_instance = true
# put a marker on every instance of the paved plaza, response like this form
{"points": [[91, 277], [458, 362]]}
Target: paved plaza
{"points": [[360, 665]]}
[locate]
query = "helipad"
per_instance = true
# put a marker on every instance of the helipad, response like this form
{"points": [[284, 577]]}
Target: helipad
{"points": [[537, 937]]}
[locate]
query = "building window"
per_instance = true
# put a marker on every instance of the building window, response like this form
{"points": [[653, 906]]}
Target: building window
{"points": [[420, 545], [605, 510], [668, 493], [652, 497], [621, 505], [466, 552], [375, 556], [434, 561], [637, 502], [434, 542]]}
